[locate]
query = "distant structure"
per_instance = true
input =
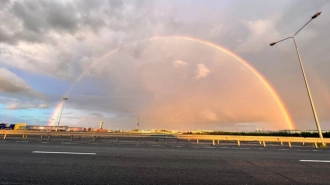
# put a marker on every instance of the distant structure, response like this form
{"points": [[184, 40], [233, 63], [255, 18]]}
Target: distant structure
{"points": [[138, 124], [300, 131], [101, 124], [202, 131]]}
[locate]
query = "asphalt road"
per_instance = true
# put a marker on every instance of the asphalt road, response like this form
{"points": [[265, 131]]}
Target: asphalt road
{"points": [[30, 162]]}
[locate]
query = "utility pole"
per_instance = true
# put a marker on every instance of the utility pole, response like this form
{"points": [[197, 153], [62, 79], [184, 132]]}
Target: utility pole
{"points": [[58, 124], [138, 124]]}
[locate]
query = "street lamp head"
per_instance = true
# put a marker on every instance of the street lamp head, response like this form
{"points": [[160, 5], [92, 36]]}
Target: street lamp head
{"points": [[272, 44], [65, 98], [316, 15]]}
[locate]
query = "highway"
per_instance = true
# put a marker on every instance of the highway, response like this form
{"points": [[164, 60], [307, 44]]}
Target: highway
{"points": [[65, 162]]}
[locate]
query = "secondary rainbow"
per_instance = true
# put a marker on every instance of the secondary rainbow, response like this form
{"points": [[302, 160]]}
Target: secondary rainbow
{"points": [[210, 44]]}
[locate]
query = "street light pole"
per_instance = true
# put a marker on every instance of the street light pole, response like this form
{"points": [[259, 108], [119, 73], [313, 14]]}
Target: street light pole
{"points": [[309, 92], [58, 124], [304, 75]]}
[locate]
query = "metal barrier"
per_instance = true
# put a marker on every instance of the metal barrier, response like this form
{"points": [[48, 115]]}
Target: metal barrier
{"points": [[96, 136]]}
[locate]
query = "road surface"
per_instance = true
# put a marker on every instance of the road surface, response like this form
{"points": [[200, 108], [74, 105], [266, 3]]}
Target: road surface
{"points": [[42, 162]]}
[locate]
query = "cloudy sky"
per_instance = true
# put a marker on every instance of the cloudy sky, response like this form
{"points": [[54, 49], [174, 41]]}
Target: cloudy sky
{"points": [[173, 64]]}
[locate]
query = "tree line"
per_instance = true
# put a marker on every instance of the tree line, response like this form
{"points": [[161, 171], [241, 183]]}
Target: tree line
{"points": [[285, 134]]}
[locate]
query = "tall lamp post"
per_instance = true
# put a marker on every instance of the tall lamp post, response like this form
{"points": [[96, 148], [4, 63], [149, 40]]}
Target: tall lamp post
{"points": [[303, 72], [58, 124]]}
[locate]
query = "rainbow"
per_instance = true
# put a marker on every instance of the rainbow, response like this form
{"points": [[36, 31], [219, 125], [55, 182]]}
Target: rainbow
{"points": [[55, 114], [210, 44]]}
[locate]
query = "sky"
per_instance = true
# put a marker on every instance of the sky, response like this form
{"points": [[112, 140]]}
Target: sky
{"points": [[179, 65]]}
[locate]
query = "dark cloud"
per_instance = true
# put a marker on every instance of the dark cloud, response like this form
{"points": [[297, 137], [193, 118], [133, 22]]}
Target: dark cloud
{"points": [[40, 19], [96, 114], [5, 36], [64, 59], [29, 36], [18, 94], [42, 16], [11, 83]]}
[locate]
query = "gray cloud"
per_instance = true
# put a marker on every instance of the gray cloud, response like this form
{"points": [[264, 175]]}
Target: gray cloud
{"points": [[11, 83], [42, 16], [18, 94], [96, 114], [40, 19], [5, 35], [21, 105]]}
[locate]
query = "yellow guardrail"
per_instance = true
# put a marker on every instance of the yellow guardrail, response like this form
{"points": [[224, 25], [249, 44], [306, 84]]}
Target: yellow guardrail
{"points": [[214, 138]]}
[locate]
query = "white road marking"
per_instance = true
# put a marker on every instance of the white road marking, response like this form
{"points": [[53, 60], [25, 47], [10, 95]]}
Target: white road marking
{"points": [[72, 153], [69, 143], [315, 161]]}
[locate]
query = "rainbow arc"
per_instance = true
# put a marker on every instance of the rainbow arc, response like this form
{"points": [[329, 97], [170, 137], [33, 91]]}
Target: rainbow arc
{"points": [[206, 43]]}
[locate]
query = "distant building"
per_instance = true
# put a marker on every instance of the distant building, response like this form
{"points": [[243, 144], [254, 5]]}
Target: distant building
{"points": [[202, 131], [146, 131]]}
